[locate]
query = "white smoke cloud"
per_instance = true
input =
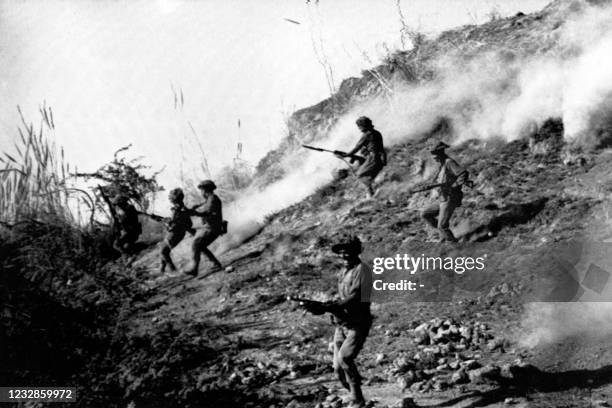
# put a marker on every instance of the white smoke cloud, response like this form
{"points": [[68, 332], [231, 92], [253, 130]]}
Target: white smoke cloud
{"points": [[491, 95]]}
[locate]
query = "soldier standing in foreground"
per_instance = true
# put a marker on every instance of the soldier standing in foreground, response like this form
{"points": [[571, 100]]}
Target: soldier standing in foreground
{"points": [[351, 315], [128, 224], [371, 147], [177, 225], [212, 226], [449, 180]]}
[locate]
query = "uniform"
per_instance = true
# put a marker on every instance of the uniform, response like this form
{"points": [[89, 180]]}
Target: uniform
{"points": [[178, 224], [371, 147], [453, 176], [212, 225], [352, 324], [129, 225]]}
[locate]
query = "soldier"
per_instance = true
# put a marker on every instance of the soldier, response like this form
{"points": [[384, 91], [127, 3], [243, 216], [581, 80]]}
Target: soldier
{"points": [[212, 221], [371, 147], [351, 315], [451, 176], [177, 225], [128, 224]]}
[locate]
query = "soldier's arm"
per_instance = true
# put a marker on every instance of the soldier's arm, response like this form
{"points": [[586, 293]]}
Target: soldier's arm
{"points": [[458, 171], [358, 146]]}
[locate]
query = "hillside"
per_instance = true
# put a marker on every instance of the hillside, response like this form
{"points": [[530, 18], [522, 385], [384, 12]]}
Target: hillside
{"points": [[538, 213]]}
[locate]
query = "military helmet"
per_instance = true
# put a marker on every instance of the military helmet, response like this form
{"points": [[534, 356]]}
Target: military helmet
{"points": [[120, 199], [347, 243], [176, 195], [364, 121], [440, 147], [207, 185]]}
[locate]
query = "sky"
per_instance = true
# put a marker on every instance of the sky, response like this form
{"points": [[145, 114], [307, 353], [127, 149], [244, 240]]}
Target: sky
{"points": [[110, 69]]}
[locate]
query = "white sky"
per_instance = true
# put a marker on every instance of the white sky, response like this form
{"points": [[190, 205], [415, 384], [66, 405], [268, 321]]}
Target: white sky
{"points": [[106, 68]]}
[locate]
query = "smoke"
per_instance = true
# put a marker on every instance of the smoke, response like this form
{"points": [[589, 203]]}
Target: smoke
{"points": [[492, 93]]}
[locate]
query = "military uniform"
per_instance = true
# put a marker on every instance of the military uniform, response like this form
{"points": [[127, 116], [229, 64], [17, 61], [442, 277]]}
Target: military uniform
{"points": [[353, 324], [211, 214], [452, 176], [129, 227], [177, 225], [370, 146]]}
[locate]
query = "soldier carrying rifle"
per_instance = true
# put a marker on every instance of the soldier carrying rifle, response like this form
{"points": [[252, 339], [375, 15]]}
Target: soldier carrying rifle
{"points": [[448, 180], [177, 225], [125, 217], [350, 314], [371, 147], [213, 226]]}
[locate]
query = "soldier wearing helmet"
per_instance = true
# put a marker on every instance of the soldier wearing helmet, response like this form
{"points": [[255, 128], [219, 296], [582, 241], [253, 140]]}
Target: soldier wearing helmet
{"points": [[128, 224], [370, 145], [177, 225], [351, 315], [211, 214]]}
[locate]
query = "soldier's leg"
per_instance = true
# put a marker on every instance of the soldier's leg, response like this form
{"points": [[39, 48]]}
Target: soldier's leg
{"points": [[212, 257], [196, 249], [338, 340], [430, 215], [446, 211], [166, 258], [355, 338]]}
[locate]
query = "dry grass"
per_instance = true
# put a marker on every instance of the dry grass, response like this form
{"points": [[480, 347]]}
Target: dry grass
{"points": [[34, 179]]}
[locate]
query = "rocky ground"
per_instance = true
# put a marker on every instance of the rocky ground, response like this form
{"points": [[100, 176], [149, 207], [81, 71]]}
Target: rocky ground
{"points": [[233, 340], [539, 212]]}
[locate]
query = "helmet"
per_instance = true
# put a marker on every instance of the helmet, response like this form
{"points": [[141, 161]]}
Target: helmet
{"points": [[364, 121], [440, 147], [120, 199], [207, 185], [348, 243], [176, 195]]}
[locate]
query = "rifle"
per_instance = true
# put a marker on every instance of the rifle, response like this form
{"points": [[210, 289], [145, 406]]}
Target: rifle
{"points": [[111, 208], [426, 188], [356, 157], [316, 307], [154, 217]]}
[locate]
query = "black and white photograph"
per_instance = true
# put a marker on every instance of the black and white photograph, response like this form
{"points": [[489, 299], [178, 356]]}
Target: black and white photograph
{"points": [[306, 203]]}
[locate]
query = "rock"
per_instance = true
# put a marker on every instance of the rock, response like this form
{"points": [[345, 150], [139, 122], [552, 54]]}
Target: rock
{"points": [[470, 364], [514, 401], [459, 377], [600, 403], [380, 357], [417, 386], [496, 343], [487, 373], [229, 269], [406, 402]]}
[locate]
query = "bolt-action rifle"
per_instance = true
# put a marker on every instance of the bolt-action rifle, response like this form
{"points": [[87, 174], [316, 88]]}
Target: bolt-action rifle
{"points": [[318, 308], [353, 157]]}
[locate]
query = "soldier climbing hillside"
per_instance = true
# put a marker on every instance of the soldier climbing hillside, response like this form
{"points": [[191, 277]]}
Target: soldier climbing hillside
{"points": [[448, 180], [177, 225], [127, 224], [370, 145], [212, 226]]}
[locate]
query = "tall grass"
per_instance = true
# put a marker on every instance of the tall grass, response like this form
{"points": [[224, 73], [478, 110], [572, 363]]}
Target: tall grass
{"points": [[34, 178]]}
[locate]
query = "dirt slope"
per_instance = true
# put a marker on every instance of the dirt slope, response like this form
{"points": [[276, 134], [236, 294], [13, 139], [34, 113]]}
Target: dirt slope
{"points": [[230, 339]]}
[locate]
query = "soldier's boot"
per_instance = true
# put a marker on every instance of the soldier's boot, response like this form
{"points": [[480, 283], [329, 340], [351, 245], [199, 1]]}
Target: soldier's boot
{"points": [[447, 235], [213, 259], [196, 264], [357, 399]]}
